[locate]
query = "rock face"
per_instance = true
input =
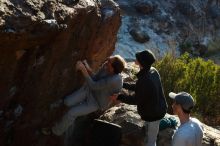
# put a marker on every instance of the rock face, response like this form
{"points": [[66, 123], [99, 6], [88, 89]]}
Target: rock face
{"points": [[133, 132], [40, 42]]}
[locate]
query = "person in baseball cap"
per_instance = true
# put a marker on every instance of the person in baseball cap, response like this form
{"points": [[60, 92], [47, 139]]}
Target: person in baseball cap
{"points": [[190, 131], [185, 100]]}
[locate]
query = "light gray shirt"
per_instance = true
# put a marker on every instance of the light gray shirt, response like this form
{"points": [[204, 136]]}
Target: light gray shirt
{"points": [[189, 134], [104, 85]]}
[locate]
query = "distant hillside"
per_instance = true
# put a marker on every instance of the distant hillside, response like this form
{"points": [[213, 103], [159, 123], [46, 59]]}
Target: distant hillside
{"points": [[163, 25]]}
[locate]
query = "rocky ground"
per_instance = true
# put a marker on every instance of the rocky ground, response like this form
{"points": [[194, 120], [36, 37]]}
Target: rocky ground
{"points": [[132, 134], [122, 124]]}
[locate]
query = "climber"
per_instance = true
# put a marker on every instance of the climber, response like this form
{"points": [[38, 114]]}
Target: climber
{"points": [[94, 94]]}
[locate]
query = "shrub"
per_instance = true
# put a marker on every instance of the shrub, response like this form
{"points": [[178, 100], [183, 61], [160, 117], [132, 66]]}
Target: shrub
{"points": [[193, 75]]}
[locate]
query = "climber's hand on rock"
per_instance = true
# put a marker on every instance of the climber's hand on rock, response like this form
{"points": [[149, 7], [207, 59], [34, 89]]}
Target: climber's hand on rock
{"points": [[79, 65]]}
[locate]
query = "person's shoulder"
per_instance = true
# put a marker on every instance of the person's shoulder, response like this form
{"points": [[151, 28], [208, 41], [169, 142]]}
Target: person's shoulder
{"points": [[153, 69], [116, 78], [153, 74], [195, 120], [119, 76], [183, 130], [197, 123]]}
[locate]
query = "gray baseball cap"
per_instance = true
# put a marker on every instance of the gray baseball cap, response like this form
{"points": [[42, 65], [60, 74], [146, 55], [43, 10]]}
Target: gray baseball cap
{"points": [[184, 99]]}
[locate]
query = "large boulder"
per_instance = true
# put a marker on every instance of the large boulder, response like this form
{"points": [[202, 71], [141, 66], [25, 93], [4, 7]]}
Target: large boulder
{"points": [[40, 42], [133, 127], [139, 35]]}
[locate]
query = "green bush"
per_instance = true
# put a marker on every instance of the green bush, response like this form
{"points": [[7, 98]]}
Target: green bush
{"points": [[196, 76]]}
